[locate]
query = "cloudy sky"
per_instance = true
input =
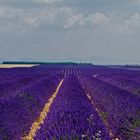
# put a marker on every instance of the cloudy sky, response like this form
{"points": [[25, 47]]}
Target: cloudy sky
{"points": [[103, 31]]}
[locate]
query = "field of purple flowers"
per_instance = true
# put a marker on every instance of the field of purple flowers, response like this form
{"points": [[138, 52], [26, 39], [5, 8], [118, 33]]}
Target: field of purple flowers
{"points": [[74, 102]]}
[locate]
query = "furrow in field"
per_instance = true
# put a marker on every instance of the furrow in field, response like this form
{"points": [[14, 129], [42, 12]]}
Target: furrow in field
{"points": [[106, 124], [95, 107], [118, 109], [72, 116], [40, 121], [18, 114]]}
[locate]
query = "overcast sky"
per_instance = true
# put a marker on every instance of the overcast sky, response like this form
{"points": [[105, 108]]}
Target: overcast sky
{"points": [[104, 31]]}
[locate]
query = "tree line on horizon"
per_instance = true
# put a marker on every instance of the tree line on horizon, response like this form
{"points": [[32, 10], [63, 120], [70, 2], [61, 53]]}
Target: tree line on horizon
{"points": [[46, 63]]}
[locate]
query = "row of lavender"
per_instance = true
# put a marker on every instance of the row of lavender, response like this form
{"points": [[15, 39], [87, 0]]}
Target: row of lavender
{"points": [[129, 83], [13, 81], [72, 116], [125, 79], [119, 109], [24, 92], [22, 97]]}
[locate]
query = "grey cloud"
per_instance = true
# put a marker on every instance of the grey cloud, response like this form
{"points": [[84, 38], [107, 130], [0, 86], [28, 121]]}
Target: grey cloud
{"points": [[65, 18], [109, 22]]}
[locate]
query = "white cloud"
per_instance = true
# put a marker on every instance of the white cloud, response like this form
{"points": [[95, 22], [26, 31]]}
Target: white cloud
{"points": [[74, 20], [122, 23], [65, 18], [97, 18], [134, 20], [20, 19]]}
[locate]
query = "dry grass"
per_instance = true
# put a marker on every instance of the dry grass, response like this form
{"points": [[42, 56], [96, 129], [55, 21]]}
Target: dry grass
{"points": [[14, 65]]}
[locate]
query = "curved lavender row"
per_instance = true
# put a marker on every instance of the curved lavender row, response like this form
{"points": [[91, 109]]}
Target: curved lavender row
{"points": [[117, 72], [17, 115], [130, 75], [72, 116], [127, 84], [123, 76], [119, 109]]}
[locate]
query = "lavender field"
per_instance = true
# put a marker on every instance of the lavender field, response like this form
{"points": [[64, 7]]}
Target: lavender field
{"points": [[69, 102]]}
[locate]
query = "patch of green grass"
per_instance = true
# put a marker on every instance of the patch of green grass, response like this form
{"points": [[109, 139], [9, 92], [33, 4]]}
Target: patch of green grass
{"points": [[104, 115], [135, 121]]}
